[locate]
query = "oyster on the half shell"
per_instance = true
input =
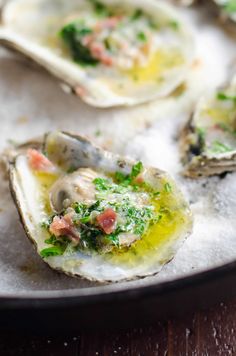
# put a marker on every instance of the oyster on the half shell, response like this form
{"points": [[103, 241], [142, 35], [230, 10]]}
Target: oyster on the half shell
{"points": [[109, 52], [93, 214], [208, 142], [227, 8]]}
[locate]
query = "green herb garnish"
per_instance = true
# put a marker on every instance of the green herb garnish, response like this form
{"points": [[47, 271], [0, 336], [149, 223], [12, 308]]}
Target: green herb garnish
{"points": [[168, 187], [141, 36], [99, 7], [219, 147], [127, 179], [223, 96], [174, 24], [101, 184], [137, 14], [72, 34], [51, 241], [98, 133], [52, 251], [136, 170], [71, 170], [230, 6]]}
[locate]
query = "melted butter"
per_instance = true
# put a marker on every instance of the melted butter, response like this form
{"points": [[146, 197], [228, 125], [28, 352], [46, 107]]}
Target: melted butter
{"points": [[161, 61], [153, 242], [219, 114], [46, 180], [158, 237]]}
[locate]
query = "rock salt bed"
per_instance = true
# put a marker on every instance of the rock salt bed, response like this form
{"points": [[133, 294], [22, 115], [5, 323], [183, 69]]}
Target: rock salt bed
{"points": [[31, 103]]}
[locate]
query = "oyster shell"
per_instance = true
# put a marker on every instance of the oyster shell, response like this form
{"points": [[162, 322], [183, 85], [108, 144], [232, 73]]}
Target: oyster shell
{"points": [[41, 193], [125, 63], [227, 9], [208, 142], [184, 2]]}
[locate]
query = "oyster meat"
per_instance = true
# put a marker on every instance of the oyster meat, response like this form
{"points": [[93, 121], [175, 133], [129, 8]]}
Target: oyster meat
{"points": [[208, 142], [93, 214], [109, 52]]}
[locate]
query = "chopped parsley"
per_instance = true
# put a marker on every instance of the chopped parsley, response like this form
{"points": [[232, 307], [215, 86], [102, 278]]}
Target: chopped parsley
{"points": [[136, 170], [52, 251], [137, 14], [71, 170], [101, 184], [201, 131], [230, 6], [134, 215], [58, 246], [72, 34], [127, 179], [98, 133], [223, 96], [99, 7], [141, 36], [219, 147], [168, 187], [174, 25]]}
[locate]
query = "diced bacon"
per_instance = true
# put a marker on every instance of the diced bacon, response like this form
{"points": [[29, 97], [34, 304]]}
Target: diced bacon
{"points": [[218, 127], [107, 220], [38, 161], [63, 226], [87, 40], [108, 23], [80, 91], [98, 51], [146, 48], [108, 61], [139, 179]]}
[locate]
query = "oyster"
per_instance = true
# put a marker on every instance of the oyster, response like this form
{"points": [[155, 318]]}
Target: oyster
{"points": [[227, 8], [208, 142], [93, 214], [109, 52]]}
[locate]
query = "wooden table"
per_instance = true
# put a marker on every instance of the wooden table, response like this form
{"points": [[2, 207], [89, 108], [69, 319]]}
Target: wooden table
{"points": [[205, 333]]}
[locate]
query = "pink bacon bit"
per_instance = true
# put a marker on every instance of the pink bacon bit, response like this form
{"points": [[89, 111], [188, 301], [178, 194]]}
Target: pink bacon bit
{"points": [[98, 51], [139, 179], [80, 91], [87, 40], [63, 226], [107, 220], [108, 23], [38, 161]]}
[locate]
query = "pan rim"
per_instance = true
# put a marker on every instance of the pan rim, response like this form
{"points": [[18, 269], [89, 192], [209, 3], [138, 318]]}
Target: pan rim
{"points": [[90, 295]]}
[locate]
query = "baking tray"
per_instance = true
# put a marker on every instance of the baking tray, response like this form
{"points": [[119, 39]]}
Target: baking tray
{"points": [[32, 296]]}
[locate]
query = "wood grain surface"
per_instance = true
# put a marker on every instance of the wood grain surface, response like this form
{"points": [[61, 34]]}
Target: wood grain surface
{"points": [[204, 333]]}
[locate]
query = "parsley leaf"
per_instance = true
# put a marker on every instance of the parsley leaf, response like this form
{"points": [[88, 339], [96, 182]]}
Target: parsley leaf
{"points": [[174, 24], [101, 184], [99, 7], [136, 170], [230, 6], [219, 147], [141, 36], [72, 35], [137, 14], [168, 188], [52, 251], [223, 96]]}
